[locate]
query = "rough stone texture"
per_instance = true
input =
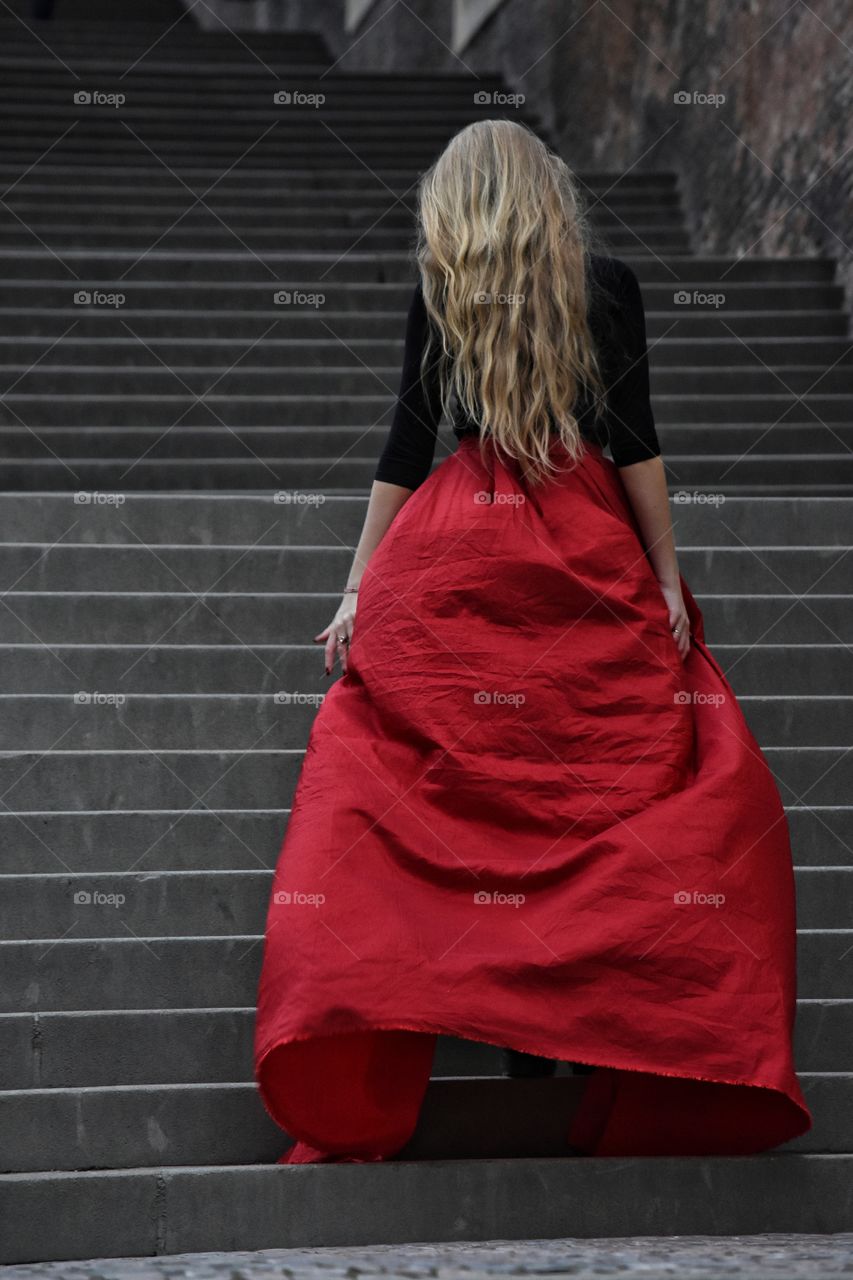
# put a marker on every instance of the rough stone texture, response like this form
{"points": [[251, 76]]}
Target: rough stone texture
{"points": [[685, 1257], [606, 90]]}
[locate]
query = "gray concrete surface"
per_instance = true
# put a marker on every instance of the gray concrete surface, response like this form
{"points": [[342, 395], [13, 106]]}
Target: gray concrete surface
{"points": [[765, 1257]]}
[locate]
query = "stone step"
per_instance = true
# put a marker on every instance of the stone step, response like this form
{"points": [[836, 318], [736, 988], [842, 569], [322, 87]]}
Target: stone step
{"points": [[272, 296], [175, 31], [394, 180], [825, 475], [250, 378], [263, 777], [131, 565], [247, 86], [133, 973], [133, 1126], [255, 80], [85, 720], [295, 129], [145, 18], [215, 353], [305, 214], [131, 53], [251, 77], [220, 117], [168, 1210], [154, 67], [798, 439], [173, 904], [258, 189], [207, 406], [296, 617], [221, 234], [109, 117], [139, 14], [186, 1046], [248, 325], [170, 25], [95, 136], [324, 153], [286, 517], [678, 283], [193, 839], [806, 670], [340, 449], [258, 208]]}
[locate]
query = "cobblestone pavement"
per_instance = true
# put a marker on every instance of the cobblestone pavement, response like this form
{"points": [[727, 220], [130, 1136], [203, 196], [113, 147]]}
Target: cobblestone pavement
{"points": [[767, 1257]]}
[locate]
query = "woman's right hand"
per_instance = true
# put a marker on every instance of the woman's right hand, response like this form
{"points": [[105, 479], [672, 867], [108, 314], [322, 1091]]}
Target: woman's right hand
{"points": [[338, 633], [678, 617]]}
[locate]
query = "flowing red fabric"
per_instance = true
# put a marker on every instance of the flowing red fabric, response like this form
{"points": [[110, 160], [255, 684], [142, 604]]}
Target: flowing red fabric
{"points": [[522, 819]]}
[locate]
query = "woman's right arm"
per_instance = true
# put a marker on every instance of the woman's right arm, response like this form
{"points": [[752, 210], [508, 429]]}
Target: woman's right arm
{"points": [[385, 501], [403, 466]]}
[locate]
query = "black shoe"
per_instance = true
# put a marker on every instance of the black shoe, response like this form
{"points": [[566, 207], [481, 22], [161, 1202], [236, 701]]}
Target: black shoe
{"points": [[527, 1066]]}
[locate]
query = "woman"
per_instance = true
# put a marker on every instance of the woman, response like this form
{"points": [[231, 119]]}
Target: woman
{"points": [[530, 812]]}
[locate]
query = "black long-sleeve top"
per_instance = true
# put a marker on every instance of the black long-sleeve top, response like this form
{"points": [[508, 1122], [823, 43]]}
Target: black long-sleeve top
{"points": [[617, 322]]}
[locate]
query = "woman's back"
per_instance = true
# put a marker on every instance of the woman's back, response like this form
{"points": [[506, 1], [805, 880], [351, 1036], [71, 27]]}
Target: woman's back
{"points": [[617, 322]]}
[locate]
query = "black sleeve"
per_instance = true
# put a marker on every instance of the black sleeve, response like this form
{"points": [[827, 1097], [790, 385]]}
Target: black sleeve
{"points": [[632, 434], [409, 448]]}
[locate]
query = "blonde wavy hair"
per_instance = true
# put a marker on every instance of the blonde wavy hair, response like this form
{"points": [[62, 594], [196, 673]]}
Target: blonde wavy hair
{"points": [[503, 246]]}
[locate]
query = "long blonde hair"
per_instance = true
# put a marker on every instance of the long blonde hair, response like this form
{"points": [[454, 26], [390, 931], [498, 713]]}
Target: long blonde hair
{"points": [[503, 248]]}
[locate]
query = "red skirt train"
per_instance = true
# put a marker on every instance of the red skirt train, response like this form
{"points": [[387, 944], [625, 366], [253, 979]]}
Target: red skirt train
{"points": [[522, 819]]}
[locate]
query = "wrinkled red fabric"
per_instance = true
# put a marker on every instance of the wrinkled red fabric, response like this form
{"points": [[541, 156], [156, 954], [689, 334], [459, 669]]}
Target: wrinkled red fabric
{"points": [[523, 820]]}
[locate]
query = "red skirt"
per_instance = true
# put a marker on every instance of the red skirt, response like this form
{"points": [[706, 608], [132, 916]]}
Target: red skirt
{"points": [[522, 819]]}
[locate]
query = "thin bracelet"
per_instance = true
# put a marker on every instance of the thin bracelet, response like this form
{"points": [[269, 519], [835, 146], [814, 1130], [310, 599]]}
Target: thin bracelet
{"points": [[346, 589]]}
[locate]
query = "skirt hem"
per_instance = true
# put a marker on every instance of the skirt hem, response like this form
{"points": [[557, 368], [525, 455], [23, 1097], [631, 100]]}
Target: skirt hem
{"points": [[607, 1062]]}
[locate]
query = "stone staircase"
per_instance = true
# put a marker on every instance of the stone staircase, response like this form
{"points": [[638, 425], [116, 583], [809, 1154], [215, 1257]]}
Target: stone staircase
{"points": [[184, 476]]}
